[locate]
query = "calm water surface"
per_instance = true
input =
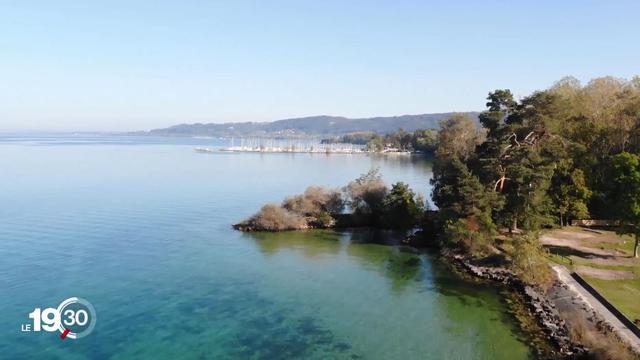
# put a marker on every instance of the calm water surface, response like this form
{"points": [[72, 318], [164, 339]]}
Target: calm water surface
{"points": [[141, 228]]}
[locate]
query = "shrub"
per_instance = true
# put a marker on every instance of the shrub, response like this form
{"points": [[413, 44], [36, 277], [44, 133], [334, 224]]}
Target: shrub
{"points": [[315, 201], [366, 194], [474, 235], [402, 208], [529, 260], [275, 218], [372, 204], [323, 220]]}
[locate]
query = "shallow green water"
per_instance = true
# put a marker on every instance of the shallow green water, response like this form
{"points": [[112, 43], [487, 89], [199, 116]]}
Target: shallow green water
{"points": [[141, 228]]}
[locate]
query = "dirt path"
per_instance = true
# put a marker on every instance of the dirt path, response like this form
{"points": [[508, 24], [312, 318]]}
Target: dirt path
{"points": [[573, 242], [590, 246], [587, 300]]}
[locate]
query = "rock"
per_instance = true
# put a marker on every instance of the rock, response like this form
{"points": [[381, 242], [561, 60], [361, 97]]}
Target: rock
{"points": [[543, 309]]}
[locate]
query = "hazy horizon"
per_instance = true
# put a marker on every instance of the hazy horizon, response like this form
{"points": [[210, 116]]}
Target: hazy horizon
{"points": [[27, 131], [122, 66]]}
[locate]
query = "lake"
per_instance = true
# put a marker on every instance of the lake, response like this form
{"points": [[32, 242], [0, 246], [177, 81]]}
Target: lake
{"points": [[141, 227]]}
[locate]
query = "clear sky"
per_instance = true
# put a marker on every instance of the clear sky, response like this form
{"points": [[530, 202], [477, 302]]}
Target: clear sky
{"points": [[131, 65]]}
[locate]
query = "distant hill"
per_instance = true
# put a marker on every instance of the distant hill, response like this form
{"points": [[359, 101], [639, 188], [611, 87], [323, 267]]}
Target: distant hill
{"points": [[308, 126]]}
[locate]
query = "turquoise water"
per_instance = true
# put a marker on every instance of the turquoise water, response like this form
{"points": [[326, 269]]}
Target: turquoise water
{"points": [[140, 227]]}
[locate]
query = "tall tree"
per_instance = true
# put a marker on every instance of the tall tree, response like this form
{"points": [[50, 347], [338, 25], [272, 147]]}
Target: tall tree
{"points": [[465, 203], [402, 208], [625, 193], [365, 195], [457, 138], [512, 159], [569, 193]]}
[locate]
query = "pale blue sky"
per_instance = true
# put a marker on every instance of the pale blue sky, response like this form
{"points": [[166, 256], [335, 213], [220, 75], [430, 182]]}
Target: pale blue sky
{"points": [[129, 65]]}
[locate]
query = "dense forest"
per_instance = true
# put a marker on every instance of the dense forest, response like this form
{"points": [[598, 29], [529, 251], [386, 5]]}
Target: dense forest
{"points": [[568, 152]]}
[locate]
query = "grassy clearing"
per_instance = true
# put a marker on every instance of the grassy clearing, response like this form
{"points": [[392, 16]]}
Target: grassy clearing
{"points": [[624, 294]]}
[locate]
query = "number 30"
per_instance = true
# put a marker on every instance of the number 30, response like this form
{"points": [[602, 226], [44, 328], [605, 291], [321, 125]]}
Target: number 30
{"points": [[79, 317]]}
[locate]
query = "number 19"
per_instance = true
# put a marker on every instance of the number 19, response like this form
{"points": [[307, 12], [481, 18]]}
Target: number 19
{"points": [[49, 319]]}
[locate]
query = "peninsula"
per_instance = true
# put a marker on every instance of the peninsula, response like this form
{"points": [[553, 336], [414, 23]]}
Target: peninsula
{"points": [[535, 166]]}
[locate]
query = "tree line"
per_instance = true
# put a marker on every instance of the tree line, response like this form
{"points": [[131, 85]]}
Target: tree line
{"points": [[564, 153], [421, 140], [567, 152]]}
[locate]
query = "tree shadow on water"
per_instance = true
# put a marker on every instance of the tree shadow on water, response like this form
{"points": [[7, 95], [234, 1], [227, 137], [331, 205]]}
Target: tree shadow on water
{"points": [[311, 244], [398, 263]]}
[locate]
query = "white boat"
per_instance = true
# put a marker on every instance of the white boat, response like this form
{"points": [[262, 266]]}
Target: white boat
{"points": [[204, 150]]}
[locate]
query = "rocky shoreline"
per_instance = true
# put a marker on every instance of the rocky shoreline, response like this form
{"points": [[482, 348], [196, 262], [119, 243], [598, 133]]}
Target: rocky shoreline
{"points": [[336, 221], [536, 302]]}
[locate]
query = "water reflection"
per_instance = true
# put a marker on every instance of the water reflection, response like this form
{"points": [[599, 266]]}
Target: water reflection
{"points": [[311, 244], [374, 236], [414, 160], [366, 247]]}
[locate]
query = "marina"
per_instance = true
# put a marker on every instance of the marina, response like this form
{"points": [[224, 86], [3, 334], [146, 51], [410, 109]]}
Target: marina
{"points": [[260, 145], [287, 146]]}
